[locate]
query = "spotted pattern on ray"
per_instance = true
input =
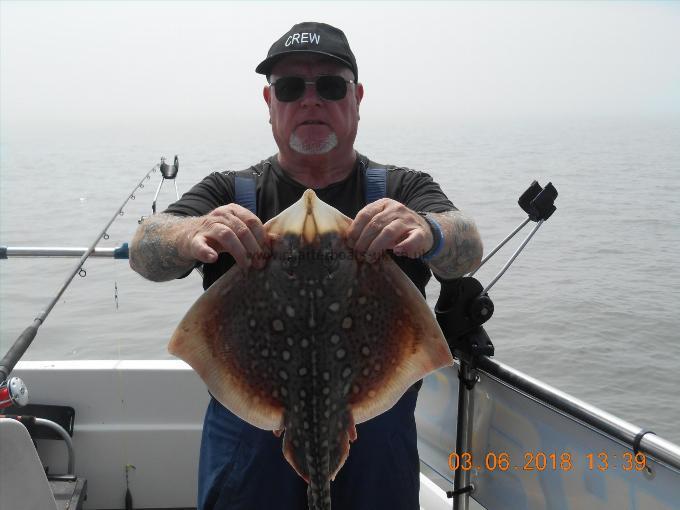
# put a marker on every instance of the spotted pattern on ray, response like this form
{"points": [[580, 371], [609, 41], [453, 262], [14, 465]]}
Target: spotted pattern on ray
{"points": [[311, 343], [337, 327], [324, 351]]}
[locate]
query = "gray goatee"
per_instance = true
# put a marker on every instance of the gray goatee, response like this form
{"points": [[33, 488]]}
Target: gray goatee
{"points": [[316, 147]]}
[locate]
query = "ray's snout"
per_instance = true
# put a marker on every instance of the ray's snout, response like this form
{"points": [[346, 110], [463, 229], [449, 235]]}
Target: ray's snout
{"points": [[308, 218]]}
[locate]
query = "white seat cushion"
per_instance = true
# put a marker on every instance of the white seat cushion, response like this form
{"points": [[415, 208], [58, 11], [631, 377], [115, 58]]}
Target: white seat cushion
{"points": [[23, 484]]}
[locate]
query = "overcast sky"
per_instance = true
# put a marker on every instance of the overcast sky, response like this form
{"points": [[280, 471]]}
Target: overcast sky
{"points": [[109, 60]]}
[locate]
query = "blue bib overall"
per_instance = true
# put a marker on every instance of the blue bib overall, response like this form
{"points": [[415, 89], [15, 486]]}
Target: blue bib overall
{"points": [[243, 468]]}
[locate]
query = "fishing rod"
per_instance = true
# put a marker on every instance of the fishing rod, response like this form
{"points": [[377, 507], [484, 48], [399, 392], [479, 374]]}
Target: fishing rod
{"points": [[14, 391]]}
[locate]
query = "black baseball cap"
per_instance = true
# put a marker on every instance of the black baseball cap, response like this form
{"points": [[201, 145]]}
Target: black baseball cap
{"points": [[311, 37]]}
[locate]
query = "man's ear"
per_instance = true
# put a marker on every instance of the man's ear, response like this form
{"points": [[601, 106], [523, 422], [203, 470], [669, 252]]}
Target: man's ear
{"points": [[267, 94], [359, 95]]}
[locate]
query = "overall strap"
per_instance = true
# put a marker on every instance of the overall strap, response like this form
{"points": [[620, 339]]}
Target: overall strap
{"points": [[375, 185], [375, 188], [244, 192]]}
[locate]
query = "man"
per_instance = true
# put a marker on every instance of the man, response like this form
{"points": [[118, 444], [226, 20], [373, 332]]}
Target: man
{"points": [[313, 98]]}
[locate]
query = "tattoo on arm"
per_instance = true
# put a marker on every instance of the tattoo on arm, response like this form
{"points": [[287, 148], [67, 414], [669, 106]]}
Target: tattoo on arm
{"points": [[154, 251], [462, 250]]}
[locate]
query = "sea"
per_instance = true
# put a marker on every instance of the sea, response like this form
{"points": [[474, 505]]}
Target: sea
{"points": [[591, 306]]}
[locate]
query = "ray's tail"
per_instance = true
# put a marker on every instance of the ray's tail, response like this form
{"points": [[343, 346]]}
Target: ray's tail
{"points": [[319, 496], [319, 490]]}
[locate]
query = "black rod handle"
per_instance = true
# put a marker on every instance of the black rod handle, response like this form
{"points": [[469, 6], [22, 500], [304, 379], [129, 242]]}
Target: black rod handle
{"points": [[18, 349]]}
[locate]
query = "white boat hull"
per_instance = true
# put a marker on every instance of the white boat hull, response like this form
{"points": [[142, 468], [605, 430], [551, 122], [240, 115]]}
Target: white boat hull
{"points": [[147, 414]]}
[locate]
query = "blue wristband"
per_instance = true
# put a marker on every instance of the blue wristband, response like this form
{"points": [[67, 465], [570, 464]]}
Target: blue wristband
{"points": [[437, 236]]}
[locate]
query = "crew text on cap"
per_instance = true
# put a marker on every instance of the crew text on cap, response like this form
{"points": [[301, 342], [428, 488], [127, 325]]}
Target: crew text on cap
{"points": [[302, 37]]}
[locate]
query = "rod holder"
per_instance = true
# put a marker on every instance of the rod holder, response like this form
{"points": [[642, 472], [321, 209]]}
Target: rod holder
{"points": [[167, 172], [461, 310], [538, 202]]}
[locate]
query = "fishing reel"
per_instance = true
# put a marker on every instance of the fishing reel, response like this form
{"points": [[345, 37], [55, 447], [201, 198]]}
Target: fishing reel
{"points": [[13, 392]]}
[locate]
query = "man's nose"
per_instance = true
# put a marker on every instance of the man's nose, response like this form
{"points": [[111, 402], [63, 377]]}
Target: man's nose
{"points": [[311, 96]]}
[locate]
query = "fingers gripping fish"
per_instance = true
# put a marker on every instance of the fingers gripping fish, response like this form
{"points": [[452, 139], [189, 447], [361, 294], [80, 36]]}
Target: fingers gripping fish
{"points": [[313, 343]]}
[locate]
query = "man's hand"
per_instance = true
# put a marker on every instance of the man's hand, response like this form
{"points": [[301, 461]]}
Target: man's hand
{"points": [[232, 229], [389, 225], [165, 246]]}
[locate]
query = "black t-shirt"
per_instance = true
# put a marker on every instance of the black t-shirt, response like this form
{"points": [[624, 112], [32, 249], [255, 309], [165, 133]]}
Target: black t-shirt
{"points": [[276, 191]]}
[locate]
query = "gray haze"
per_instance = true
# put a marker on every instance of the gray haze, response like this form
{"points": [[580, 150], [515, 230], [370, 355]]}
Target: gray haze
{"points": [[78, 63]]}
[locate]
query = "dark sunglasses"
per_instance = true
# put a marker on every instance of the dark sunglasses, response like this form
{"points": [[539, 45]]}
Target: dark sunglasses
{"points": [[292, 88]]}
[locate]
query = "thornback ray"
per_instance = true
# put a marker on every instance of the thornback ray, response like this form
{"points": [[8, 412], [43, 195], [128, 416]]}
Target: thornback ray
{"points": [[314, 342]]}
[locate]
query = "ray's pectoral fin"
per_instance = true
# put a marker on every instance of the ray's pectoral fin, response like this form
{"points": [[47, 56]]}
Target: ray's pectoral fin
{"points": [[209, 339], [334, 449], [294, 452], [340, 450], [403, 338]]}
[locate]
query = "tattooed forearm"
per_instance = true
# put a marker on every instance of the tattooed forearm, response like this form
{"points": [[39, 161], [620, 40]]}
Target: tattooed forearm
{"points": [[462, 250], [154, 250]]}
